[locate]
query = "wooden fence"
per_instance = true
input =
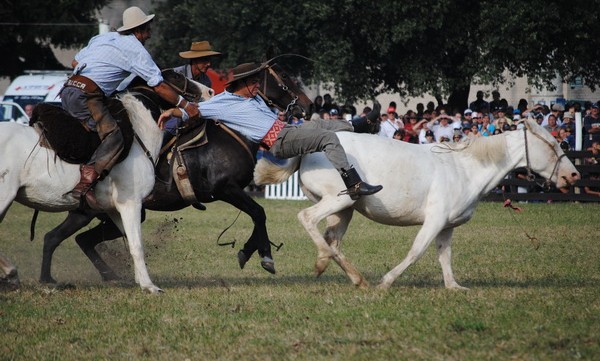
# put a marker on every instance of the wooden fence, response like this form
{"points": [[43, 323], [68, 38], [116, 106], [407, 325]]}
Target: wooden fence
{"points": [[515, 187]]}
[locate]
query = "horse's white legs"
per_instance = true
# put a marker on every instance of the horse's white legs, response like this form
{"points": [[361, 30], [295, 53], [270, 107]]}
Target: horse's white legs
{"points": [[10, 271], [428, 231], [130, 223], [444, 249], [310, 218], [337, 225], [7, 195]]}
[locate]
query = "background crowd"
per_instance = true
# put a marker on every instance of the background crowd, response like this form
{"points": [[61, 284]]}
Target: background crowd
{"points": [[483, 118]]}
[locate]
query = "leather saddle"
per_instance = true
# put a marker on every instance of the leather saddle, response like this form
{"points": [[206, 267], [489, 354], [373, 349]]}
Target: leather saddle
{"points": [[72, 140]]}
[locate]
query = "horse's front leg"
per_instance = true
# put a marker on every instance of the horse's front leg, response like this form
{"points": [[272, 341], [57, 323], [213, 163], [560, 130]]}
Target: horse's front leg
{"points": [[259, 240], [430, 229], [129, 220], [11, 276]]}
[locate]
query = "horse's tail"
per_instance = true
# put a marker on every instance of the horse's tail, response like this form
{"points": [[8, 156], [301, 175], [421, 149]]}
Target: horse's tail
{"points": [[269, 172]]}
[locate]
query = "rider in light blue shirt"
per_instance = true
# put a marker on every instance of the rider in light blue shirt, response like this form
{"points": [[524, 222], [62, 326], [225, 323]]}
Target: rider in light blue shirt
{"points": [[111, 57], [242, 109], [235, 110], [99, 68]]}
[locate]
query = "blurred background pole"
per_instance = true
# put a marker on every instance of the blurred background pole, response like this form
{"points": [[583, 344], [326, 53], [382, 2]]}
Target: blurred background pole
{"points": [[102, 27]]}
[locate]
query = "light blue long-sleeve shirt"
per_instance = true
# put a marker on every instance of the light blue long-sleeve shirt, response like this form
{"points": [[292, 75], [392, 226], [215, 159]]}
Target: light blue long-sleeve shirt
{"points": [[111, 57], [249, 116]]}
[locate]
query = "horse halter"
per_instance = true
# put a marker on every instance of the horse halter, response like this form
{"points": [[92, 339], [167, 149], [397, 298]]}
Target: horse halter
{"points": [[530, 176], [263, 90]]}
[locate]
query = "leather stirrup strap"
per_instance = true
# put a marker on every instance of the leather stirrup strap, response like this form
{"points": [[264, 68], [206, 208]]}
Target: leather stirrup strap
{"points": [[182, 180]]}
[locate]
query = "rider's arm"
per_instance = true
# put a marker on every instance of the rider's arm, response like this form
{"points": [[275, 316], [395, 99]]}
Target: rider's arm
{"points": [[169, 113], [168, 94]]}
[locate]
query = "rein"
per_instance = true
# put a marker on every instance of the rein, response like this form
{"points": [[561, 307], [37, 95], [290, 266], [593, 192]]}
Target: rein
{"points": [[145, 149], [237, 138]]}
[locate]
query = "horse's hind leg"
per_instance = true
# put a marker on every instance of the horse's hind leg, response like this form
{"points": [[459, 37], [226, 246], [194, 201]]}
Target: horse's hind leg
{"points": [[11, 276], [88, 241], [73, 223], [329, 248], [337, 225], [444, 249]]}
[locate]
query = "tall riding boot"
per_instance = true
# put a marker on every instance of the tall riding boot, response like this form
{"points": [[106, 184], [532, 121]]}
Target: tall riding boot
{"points": [[356, 186], [86, 184], [368, 123]]}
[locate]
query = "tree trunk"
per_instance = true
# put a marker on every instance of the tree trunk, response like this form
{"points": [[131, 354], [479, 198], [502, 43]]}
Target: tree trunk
{"points": [[459, 99]]}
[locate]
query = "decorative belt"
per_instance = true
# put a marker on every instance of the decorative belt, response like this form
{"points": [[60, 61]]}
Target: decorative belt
{"points": [[86, 84], [271, 136]]}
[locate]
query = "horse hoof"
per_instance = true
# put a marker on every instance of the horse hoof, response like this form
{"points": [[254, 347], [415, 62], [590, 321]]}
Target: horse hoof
{"points": [[199, 206], [48, 280], [153, 290], [242, 259], [9, 283], [109, 277], [268, 264]]}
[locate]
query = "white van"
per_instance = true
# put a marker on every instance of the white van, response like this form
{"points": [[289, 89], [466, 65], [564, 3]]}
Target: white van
{"points": [[36, 86], [12, 112]]}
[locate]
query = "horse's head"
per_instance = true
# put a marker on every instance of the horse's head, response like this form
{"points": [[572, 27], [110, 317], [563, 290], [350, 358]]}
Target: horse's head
{"points": [[544, 156], [189, 89], [282, 91]]}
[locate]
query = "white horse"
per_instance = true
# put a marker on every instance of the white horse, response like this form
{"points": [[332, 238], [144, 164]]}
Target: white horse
{"points": [[437, 186], [33, 176]]}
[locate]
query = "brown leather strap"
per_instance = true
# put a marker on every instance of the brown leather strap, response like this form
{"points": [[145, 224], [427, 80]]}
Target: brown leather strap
{"points": [[238, 139], [86, 84]]}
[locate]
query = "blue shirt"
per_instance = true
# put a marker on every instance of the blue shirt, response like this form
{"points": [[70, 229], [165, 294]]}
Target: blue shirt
{"points": [[109, 58], [249, 116]]}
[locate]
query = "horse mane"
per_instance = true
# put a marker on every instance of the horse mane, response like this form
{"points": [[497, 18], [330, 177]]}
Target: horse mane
{"points": [[269, 172], [485, 149], [142, 122]]}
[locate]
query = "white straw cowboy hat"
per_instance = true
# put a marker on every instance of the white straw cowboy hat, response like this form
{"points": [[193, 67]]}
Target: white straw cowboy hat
{"points": [[134, 17], [199, 49]]}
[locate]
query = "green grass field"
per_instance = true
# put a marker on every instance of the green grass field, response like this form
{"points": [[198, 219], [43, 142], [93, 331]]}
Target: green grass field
{"points": [[523, 304]]}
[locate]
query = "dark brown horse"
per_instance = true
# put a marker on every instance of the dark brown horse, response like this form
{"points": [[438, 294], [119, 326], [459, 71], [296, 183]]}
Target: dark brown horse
{"points": [[218, 171]]}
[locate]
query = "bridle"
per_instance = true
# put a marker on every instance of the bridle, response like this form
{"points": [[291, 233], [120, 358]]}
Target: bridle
{"points": [[194, 98], [262, 91], [530, 176]]}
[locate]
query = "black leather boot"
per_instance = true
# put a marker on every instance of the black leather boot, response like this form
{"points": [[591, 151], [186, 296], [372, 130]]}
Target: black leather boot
{"points": [[368, 123], [356, 187]]}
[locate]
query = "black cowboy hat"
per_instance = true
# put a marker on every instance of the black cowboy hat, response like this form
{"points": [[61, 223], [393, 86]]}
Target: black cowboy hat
{"points": [[246, 70]]}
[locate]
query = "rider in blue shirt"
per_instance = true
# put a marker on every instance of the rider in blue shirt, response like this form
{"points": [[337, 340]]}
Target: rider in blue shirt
{"points": [[241, 108], [98, 69]]}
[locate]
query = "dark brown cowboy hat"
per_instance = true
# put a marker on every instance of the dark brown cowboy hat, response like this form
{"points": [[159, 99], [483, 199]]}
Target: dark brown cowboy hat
{"points": [[246, 70], [199, 49]]}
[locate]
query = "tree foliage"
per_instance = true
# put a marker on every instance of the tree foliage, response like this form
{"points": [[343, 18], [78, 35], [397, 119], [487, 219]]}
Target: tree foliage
{"points": [[30, 27], [410, 47]]}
